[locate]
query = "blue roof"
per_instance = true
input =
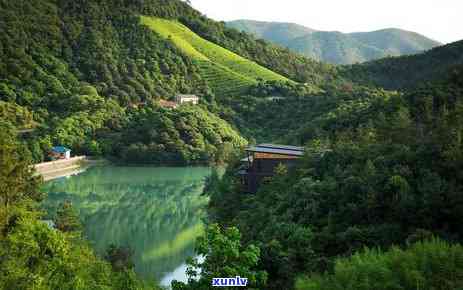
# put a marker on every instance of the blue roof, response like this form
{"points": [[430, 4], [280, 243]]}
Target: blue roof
{"points": [[60, 149]]}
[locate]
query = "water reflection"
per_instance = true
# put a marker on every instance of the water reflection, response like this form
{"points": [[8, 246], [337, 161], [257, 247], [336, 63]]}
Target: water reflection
{"points": [[178, 274], [156, 211]]}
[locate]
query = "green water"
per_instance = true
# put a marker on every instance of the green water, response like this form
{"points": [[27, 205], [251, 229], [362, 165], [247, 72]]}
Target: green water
{"points": [[158, 212]]}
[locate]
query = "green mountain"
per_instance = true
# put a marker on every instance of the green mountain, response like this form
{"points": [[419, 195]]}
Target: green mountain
{"points": [[379, 172], [336, 47], [277, 32], [406, 72], [86, 75], [395, 41]]}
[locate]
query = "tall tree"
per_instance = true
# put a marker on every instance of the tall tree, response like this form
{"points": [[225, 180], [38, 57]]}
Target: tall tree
{"points": [[67, 218], [17, 182], [224, 257]]}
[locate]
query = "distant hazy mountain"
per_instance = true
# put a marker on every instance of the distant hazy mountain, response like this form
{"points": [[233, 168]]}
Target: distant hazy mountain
{"points": [[336, 47], [277, 32]]}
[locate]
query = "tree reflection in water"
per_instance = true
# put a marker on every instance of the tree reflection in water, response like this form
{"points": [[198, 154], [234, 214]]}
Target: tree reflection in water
{"points": [[156, 211]]}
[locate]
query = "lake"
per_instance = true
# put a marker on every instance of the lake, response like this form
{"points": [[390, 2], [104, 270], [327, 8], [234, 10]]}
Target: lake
{"points": [[157, 211]]}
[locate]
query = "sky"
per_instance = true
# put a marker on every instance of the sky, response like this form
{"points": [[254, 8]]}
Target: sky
{"points": [[441, 20]]}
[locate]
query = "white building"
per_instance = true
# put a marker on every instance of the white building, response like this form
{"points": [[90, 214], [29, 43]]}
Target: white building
{"points": [[60, 152], [181, 99]]}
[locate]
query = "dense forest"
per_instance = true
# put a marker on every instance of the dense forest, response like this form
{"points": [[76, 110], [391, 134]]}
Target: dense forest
{"points": [[377, 196], [73, 72], [381, 169], [406, 72]]}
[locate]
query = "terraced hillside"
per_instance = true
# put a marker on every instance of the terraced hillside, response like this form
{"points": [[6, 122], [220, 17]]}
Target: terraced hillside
{"points": [[226, 72]]}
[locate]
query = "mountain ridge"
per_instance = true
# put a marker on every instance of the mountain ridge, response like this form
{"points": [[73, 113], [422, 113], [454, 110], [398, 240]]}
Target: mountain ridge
{"points": [[264, 29], [337, 47], [408, 71]]}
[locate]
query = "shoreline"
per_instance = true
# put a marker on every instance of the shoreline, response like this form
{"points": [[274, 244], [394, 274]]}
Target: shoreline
{"points": [[66, 167], [51, 170]]}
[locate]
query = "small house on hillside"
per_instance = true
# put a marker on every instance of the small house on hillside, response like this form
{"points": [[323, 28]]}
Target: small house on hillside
{"points": [[181, 99], [60, 152], [263, 159]]}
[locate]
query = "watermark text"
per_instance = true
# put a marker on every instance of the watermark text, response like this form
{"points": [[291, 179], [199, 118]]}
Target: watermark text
{"points": [[227, 282]]}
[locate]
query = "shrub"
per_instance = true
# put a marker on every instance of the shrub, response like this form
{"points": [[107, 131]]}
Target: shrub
{"points": [[432, 264]]}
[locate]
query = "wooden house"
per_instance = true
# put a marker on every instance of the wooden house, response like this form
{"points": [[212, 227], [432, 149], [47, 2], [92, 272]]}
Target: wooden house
{"points": [[262, 160]]}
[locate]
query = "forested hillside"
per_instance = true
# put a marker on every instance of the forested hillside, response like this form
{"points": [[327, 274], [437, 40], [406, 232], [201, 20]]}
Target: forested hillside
{"points": [[349, 48], [395, 41], [381, 169], [405, 72], [337, 47], [76, 72]]}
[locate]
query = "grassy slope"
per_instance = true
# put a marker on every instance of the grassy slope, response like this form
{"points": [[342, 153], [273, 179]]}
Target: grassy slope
{"points": [[226, 72]]}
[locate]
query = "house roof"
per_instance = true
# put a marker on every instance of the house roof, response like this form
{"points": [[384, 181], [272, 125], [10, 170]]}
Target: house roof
{"points": [[60, 149], [187, 96], [277, 146], [277, 149]]}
